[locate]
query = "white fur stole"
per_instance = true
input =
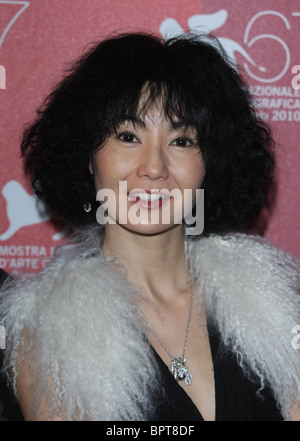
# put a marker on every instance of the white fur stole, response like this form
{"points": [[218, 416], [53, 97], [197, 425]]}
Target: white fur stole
{"points": [[82, 319]]}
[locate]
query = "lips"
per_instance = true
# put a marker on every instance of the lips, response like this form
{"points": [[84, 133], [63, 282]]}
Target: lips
{"points": [[148, 199]]}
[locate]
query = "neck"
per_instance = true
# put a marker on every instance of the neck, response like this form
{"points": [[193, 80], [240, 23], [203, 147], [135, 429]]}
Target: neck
{"points": [[156, 263]]}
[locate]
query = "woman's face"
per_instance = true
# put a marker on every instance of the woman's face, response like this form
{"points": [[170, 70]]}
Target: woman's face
{"points": [[144, 172]]}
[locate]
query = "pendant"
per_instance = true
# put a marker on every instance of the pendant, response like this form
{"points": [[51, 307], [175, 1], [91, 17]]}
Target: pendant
{"points": [[180, 370]]}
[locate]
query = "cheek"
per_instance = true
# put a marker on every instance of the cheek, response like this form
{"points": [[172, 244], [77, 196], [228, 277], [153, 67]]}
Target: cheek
{"points": [[199, 171], [193, 174], [99, 179], [102, 171], [110, 167]]}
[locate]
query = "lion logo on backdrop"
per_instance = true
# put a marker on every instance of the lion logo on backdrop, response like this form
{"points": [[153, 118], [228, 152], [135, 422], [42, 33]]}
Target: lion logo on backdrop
{"points": [[22, 209], [207, 23]]}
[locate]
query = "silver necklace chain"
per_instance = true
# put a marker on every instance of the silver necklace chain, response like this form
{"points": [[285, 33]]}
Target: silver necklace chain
{"points": [[178, 365]]}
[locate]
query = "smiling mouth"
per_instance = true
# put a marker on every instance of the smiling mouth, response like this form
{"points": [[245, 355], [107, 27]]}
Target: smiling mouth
{"points": [[147, 198]]}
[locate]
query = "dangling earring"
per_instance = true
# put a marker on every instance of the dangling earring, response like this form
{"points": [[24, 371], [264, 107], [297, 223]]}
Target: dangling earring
{"points": [[87, 207]]}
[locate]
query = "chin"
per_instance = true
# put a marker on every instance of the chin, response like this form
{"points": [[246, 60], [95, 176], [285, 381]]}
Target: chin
{"points": [[150, 229]]}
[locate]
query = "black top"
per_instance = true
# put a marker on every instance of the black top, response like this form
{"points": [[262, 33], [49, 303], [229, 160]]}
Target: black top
{"points": [[3, 276], [236, 396]]}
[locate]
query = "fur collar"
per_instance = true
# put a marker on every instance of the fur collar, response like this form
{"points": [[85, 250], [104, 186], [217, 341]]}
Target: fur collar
{"points": [[81, 306]]}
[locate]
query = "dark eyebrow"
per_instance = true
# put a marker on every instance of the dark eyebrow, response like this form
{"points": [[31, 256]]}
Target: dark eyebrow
{"points": [[134, 119], [182, 125]]}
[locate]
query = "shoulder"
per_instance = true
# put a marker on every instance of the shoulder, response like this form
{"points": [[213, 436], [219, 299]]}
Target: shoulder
{"points": [[249, 271], [242, 273], [248, 244], [70, 269], [74, 284], [80, 322], [247, 256], [73, 292], [251, 291]]}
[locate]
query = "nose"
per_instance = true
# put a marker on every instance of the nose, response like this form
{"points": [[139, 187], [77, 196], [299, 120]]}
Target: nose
{"points": [[153, 163]]}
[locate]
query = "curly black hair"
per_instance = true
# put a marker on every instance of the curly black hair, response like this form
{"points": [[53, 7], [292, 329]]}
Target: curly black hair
{"points": [[196, 82]]}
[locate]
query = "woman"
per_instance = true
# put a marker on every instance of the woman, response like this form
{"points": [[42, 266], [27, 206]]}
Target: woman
{"points": [[137, 319]]}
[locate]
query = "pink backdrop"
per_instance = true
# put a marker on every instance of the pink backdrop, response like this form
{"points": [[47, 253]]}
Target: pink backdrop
{"points": [[39, 38]]}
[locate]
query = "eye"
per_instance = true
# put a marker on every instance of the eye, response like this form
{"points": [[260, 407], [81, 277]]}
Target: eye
{"points": [[183, 141], [127, 137]]}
